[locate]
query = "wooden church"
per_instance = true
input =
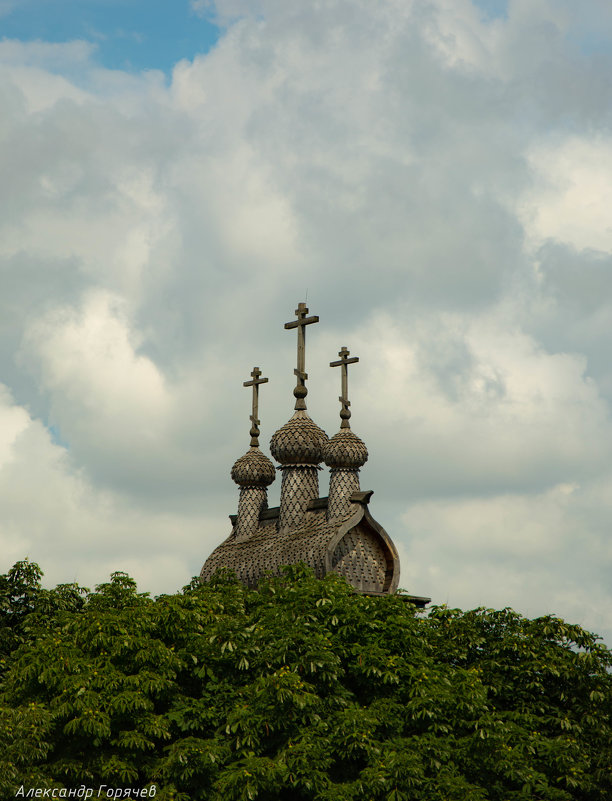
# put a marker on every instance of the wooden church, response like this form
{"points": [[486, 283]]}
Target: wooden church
{"points": [[334, 533]]}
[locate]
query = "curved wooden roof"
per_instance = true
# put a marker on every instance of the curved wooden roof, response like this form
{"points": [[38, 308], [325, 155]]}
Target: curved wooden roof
{"points": [[355, 546]]}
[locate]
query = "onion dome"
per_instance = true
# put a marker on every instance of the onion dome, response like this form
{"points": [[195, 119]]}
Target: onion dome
{"points": [[254, 469], [299, 441], [346, 450]]}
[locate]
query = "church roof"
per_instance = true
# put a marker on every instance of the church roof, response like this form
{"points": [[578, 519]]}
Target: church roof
{"points": [[354, 545], [333, 534]]}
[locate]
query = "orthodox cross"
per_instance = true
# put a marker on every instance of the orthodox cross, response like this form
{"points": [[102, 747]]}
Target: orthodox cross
{"points": [[254, 432], [302, 321], [343, 362]]}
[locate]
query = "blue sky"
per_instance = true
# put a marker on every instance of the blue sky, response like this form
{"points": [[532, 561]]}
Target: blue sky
{"points": [[131, 35], [493, 9]]}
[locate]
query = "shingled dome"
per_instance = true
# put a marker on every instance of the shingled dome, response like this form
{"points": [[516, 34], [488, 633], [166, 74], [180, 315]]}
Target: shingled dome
{"points": [[346, 450], [333, 534], [299, 441], [254, 469]]}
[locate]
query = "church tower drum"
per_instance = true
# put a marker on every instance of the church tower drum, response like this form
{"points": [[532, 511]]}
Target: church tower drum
{"points": [[345, 452], [300, 443], [253, 472]]}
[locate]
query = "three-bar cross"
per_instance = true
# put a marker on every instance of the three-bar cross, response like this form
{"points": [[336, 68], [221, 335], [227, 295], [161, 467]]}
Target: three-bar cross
{"points": [[254, 432], [343, 362], [302, 321]]}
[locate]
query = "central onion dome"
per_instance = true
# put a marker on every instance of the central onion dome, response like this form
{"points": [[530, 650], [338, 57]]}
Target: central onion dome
{"points": [[345, 450], [299, 442], [254, 469]]}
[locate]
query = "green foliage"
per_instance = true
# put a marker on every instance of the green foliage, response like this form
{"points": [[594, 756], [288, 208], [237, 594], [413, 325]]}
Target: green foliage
{"points": [[300, 690], [21, 595]]}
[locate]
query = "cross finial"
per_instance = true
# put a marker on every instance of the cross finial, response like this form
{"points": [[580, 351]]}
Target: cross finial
{"points": [[343, 362], [302, 321], [255, 382]]}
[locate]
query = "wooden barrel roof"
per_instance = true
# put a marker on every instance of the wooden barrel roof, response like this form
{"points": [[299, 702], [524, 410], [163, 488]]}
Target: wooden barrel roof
{"points": [[355, 546]]}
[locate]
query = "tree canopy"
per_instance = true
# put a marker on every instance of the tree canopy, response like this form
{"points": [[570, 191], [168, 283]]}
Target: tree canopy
{"points": [[298, 690]]}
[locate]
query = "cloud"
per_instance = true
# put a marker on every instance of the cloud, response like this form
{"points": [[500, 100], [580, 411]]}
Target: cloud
{"points": [[122, 420], [6, 7], [13, 421], [78, 531], [571, 193], [88, 359], [51, 56], [512, 550], [201, 7], [478, 406], [433, 178]]}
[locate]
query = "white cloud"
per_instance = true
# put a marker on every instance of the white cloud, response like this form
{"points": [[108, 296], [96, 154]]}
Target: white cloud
{"points": [[435, 181], [80, 532], [461, 38], [513, 549], [571, 194], [46, 55], [123, 422], [89, 359], [13, 421], [477, 404], [202, 6]]}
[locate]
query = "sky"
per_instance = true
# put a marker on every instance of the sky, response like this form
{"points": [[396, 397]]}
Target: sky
{"points": [[434, 177]]}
